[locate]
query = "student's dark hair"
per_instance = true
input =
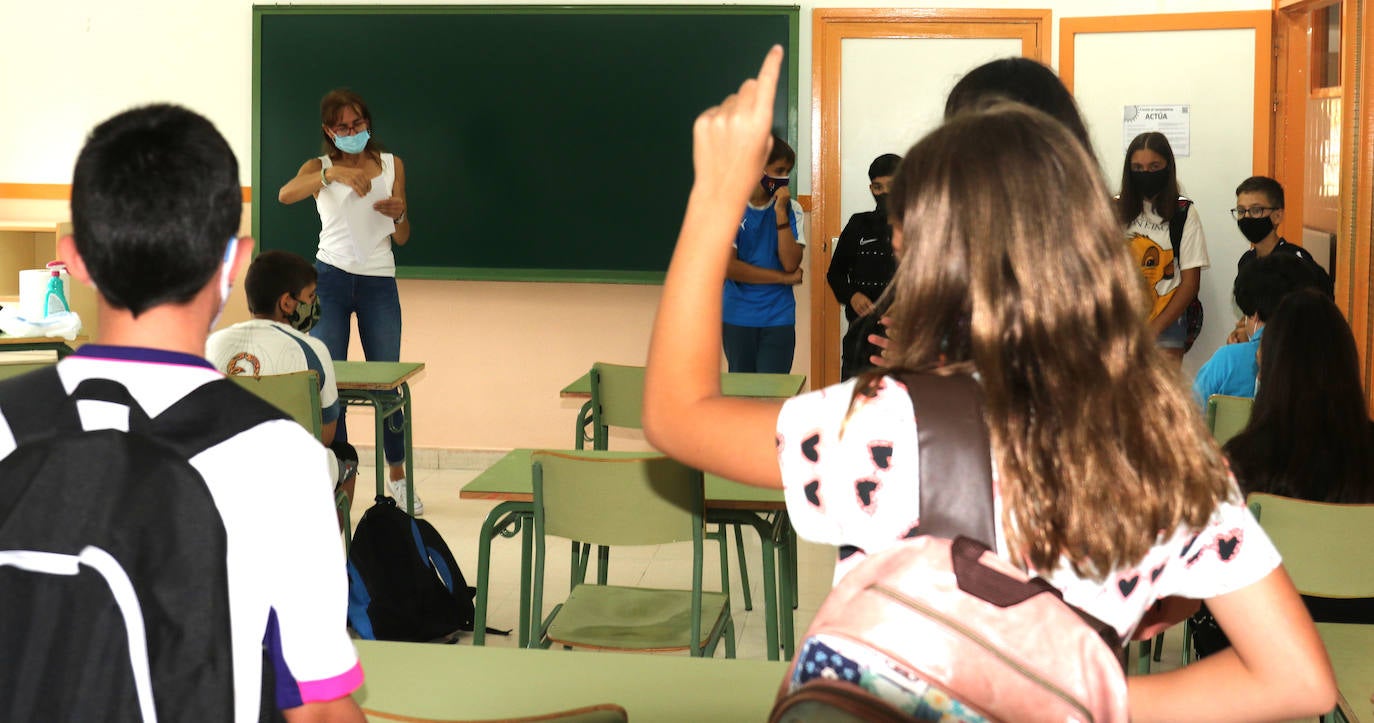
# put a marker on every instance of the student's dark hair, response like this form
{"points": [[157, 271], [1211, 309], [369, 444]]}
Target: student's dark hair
{"points": [[1085, 417], [1263, 283], [1024, 81], [332, 106], [781, 151], [1309, 434], [1130, 203], [155, 200], [1273, 190], [884, 165], [272, 274]]}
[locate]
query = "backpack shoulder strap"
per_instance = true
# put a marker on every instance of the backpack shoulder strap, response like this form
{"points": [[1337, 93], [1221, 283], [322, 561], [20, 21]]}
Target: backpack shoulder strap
{"points": [[34, 405], [956, 458], [211, 414], [1180, 217]]}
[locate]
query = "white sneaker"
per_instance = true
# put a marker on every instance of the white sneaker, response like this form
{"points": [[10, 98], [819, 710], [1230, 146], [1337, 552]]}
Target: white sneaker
{"points": [[398, 491]]}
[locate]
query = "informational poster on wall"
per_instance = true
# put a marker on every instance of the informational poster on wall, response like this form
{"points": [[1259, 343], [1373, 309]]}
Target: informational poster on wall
{"points": [[1171, 120]]}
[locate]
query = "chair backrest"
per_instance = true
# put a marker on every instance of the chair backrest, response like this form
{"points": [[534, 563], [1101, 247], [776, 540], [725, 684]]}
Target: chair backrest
{"points": [[1227, 415], [614, 499], [1328, 549], [617, 399], [10, 370], [296, 393]]}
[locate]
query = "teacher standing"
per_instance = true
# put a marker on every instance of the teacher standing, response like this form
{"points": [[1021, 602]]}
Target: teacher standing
{"points": [[360, 193]]}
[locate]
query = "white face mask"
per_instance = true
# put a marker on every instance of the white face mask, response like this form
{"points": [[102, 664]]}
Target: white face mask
{"points": [[225, 277]]}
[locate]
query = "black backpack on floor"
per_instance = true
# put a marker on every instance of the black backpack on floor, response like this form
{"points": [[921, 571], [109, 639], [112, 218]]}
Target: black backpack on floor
{"points": [[403, 583], [114, 598]]}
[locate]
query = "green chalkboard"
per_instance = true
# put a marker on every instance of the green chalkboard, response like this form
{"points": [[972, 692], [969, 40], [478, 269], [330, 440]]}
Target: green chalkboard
{"points": [[540, 142]]}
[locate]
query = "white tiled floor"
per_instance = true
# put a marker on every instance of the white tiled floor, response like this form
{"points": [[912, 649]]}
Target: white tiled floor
{"points": [[666, 566]]}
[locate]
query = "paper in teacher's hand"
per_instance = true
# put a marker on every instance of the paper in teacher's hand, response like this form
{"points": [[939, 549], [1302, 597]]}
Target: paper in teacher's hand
{"points": [[366, 226]]}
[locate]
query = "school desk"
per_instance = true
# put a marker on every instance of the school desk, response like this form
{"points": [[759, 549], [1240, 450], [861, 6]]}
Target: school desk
{"points": [[510, 482], [37, 343], [737, 384], [461, 682], [384, 386], [1351, 648]]}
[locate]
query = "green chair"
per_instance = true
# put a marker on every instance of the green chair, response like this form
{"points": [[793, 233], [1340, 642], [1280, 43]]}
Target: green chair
{"points": [[1227, 415], [592, 497], [298, 394], [1327, 549], [618, 401]]}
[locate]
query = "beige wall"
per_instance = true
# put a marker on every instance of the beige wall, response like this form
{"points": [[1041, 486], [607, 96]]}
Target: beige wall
{"points": [[497, 353]]}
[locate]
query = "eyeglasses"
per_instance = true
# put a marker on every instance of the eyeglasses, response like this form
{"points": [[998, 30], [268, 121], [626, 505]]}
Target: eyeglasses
{"points": [[1252, 212], [348, 130]]}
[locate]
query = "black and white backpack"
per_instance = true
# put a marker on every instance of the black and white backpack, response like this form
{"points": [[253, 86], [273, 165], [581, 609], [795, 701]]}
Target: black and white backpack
{"points": [[114, 601]]}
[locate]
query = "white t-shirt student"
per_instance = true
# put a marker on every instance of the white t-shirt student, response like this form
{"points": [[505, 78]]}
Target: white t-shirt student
{"points": [[260, 347]]}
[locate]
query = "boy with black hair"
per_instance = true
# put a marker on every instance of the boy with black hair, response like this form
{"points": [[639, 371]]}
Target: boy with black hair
{"points": [[1258, 213], [156, 203], [759, 309], [863, 265], [1260, 286], [280, 287]]}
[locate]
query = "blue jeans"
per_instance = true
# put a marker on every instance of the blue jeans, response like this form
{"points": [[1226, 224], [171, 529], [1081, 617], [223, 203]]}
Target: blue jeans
{"points": [[764, 349], [378, 306]]}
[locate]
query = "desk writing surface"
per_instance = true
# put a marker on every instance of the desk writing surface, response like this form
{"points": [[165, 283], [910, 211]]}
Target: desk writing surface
{"points": [[374, 375], [737, 384], [459, 681], [1351, 648], [509, 479]]}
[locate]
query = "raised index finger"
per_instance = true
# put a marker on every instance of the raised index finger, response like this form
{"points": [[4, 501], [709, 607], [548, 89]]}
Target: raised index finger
{"points": [[768, 81]]}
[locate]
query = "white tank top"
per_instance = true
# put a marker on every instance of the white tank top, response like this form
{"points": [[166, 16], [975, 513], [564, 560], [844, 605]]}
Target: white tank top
{"points": [[342, 210]]}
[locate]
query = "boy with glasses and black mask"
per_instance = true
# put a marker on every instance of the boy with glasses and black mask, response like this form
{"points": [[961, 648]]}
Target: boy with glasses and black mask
{"points": [[1258, 213]]}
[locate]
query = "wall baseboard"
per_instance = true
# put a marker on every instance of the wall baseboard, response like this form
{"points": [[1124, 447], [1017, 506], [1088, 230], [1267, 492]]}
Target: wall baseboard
{"points": [[439, 458]]}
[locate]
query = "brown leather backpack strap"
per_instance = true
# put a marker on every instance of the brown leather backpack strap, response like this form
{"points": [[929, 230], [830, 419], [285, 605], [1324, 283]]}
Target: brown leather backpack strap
{"points": [[956, 457]]}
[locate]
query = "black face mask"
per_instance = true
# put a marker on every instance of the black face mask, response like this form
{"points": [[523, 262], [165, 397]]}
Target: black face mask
{"points": [[1255, 229], [881, 199], [1150, 183]]}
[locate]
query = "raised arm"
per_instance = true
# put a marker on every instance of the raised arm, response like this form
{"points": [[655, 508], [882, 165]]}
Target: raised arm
{"points": [[306, 184], [1276, 668], [789, 251], [685, 415]]}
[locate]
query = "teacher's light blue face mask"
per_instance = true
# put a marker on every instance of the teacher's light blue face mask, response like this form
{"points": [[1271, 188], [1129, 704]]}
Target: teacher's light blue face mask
{"points": [[354, 143]]}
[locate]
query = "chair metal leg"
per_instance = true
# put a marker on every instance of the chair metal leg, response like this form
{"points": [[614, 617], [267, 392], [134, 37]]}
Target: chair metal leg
{"points": [[743, 567], [603, 564]]}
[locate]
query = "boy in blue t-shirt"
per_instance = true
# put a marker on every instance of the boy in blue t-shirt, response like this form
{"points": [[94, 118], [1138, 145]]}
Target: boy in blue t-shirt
{"points": [[759, 315]]}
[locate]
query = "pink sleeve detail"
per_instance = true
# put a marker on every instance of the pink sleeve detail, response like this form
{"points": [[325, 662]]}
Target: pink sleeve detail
{"points": [[314, 691]]}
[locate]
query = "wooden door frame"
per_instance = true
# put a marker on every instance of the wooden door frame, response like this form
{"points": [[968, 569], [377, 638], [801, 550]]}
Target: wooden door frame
{"points": [[1355, 229], [829, 27]]}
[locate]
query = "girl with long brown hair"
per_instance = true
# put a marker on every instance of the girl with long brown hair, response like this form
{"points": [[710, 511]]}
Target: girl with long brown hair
{"points": [[1010, 268]]}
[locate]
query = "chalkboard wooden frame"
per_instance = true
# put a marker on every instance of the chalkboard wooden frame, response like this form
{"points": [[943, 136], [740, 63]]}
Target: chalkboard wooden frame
{"points": [[663, 185]]}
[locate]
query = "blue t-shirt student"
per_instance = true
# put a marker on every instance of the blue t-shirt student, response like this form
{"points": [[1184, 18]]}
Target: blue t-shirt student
{"points": [[760, 305], [1231, 370]]}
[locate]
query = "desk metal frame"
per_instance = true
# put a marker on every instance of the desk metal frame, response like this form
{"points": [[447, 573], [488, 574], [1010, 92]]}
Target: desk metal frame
{"points": [[387, 394]]}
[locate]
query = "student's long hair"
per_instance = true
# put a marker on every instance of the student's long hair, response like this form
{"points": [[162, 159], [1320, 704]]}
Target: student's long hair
{"points": [[1309, 434], [1131, 203], [1012, 266], [1024, 81], [332, 106]]}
